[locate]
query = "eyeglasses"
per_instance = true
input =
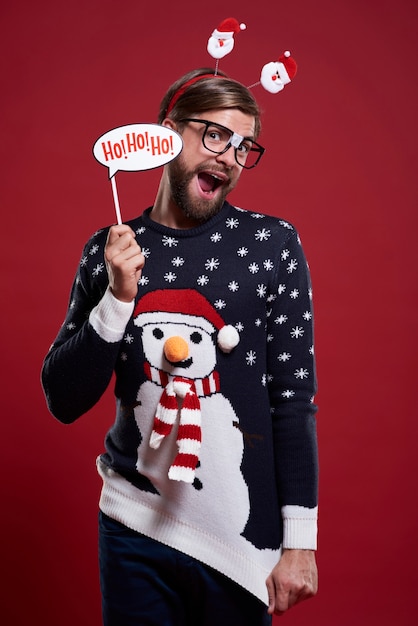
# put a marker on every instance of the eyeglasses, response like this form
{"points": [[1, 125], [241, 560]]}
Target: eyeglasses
{"points": [[218, 139]]}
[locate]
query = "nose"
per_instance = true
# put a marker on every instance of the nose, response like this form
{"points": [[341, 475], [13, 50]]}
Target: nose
{"points": [[176, 349], [228, 157]]}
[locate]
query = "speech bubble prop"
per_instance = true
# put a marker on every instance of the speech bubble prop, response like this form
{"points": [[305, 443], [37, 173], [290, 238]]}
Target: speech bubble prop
{"points": [[136, 147]]}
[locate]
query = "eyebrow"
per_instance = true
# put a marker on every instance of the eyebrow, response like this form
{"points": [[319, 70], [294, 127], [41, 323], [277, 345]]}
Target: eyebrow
{"points": [[251, 138]]}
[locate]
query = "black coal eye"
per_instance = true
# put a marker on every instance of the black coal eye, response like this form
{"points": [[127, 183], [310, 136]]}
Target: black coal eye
{"points": [[196, 337], [158, 333]]}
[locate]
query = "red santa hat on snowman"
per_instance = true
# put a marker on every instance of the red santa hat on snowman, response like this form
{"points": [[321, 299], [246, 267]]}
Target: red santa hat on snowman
{"points": [[171, 305], [221, 41]]}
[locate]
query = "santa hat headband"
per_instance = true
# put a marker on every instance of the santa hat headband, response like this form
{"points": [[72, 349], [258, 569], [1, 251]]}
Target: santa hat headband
{"points": [[179, 305], [274, 75]]}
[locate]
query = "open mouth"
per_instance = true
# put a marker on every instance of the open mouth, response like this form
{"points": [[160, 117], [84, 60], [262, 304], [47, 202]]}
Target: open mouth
{"points": [[184, 364], [209, 183]]}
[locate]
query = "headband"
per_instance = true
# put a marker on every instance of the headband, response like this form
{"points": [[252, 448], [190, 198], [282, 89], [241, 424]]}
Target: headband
{"points": [[180, 91]]}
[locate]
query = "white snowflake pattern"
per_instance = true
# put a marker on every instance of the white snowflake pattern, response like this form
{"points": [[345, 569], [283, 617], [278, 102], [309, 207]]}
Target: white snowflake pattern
{"points": [[263, 234], [285, 254], [128, 338], [70, 326], [202, 280], [261, 291], [291, 266], [272, 297], [294, 294], [264, 380], [281, 289], [269, 338], [219, 304], [233, 286], [83, 261], [288, 393], [258, 322], [253, 268], [251, 357], [242, 252], [281, 319], [98, 269], [301, 373], [144, 280], [268, 265], [307, 316], [310, 293], [171, 242], [93, 249], [170, 277], [311, 350], [178, 261], [232, 222], [239, 326], [146, 252], [284, 356], [72, 304], [258, 216], [212, 264], [297, 332], [216, 237], [286, 224], [141, 230], [269, 378], [123, 356]]}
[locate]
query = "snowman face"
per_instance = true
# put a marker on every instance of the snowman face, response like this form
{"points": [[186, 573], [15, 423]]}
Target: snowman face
{"points": [[270, 78], [201, 354], [218, 47]]}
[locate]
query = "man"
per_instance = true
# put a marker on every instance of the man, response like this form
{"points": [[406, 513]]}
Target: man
{"points": [[203, 311]]}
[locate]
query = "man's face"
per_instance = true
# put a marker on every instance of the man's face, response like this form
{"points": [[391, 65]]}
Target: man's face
{"points": [[199, 179]]}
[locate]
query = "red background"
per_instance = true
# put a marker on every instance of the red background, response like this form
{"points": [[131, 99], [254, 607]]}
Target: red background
{"points": [[340, 164]]}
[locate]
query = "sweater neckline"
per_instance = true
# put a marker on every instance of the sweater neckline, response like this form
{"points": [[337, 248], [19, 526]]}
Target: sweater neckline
{"points": [[185, 232]]}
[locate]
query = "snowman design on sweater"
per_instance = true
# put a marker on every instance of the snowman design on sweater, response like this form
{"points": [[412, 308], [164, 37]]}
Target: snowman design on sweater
{"points": [[194, 439]]}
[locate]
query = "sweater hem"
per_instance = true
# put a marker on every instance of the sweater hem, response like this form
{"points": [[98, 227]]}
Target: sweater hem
{"points": [[118, 501]]}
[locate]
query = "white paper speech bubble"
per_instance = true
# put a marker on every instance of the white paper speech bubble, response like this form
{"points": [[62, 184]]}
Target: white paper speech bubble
{"points": [[136, 147]]}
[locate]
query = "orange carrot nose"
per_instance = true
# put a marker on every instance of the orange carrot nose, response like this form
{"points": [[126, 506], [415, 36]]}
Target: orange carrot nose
{"points": [[176, 349]]}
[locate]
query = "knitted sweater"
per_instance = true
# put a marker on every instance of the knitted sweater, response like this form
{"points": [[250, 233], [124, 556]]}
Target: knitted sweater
{"points": [[215, 454]]}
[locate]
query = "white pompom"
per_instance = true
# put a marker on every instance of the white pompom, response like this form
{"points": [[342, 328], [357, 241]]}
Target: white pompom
{"points": [[228, 338], [287, 53]]}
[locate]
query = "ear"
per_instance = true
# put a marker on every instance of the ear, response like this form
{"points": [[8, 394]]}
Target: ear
{"points": [[169, 123]]}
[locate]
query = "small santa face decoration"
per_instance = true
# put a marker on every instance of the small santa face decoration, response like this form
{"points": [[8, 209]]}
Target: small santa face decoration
{"points": [[221, 44], [221, 41], [270, 77]]}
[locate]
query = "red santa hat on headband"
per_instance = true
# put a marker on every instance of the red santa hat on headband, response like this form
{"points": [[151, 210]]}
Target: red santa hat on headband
{"points": [[185, 305], [221, 41], [277, 74]]}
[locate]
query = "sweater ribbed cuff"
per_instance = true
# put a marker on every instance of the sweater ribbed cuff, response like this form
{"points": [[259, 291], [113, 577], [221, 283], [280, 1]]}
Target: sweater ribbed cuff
{"points": [[110, 316], [300, 527]]}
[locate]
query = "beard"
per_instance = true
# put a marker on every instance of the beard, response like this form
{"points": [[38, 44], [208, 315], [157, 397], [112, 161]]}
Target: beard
{"points": [[198, 209]]}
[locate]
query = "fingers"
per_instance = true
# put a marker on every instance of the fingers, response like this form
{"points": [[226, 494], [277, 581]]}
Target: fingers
{"points": [[124, 262], [293, 580], [119, 239]]}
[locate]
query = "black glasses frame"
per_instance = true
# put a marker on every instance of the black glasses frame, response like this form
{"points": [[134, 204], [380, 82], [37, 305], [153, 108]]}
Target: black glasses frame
{"points": [[255, 147]]}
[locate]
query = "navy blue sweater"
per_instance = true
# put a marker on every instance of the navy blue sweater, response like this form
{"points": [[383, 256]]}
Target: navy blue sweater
{"points": [[258, 454]]}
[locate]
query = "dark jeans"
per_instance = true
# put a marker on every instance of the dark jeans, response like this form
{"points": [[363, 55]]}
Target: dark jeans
{"points": [[145, 583]]}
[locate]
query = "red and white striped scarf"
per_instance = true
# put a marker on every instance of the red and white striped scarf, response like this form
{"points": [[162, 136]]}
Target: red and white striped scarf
{"points": [[189, 435]]}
